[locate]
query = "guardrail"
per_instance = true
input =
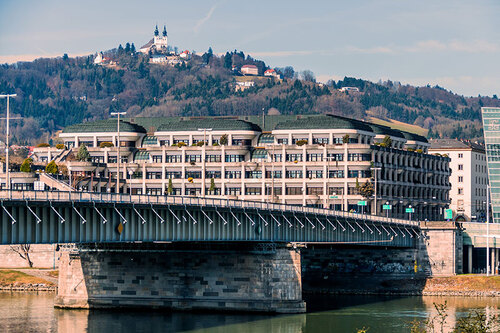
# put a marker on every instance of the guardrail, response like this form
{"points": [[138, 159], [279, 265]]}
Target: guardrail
{"points": [[181, 200]]}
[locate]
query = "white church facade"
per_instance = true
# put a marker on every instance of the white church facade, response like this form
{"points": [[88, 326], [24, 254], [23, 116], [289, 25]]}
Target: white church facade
{"points": [[158, 44]]}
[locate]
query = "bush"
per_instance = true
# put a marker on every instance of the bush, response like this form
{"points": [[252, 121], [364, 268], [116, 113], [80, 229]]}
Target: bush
{"points": [[420, 151], [60, 146], [106, 144], [26, 166], [181, 144], [83, 154], [52, 168], [43, 145], [223, 140], [200, 143], [345, 138], [301, 142]]}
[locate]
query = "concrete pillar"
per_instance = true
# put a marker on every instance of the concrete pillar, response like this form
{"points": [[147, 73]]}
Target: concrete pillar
{"points": [[469, 266], [242, 279]]}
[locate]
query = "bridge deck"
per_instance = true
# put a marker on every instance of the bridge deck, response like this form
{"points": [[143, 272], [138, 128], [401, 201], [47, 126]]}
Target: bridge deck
{"points": [[83, 217]]}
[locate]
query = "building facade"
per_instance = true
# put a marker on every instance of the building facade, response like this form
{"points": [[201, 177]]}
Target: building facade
{"points": [[320, 161], [469, 177], [491, 127]]}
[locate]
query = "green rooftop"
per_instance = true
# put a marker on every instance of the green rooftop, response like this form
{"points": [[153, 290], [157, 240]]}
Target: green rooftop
{"points": [[108, 125], [385, 130], [216, 124], [414, 137], [324, 122]]}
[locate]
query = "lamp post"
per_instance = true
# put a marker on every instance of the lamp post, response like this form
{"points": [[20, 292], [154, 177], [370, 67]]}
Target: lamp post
{"points": [[118, 114], [487, 230], [375, 169], [7, 175]]}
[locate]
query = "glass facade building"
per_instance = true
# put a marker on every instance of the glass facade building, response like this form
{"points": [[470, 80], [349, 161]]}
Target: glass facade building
{"points": [[491, 126]]}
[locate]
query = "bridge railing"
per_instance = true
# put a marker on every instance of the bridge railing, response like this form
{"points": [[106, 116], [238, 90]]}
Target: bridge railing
{"points": [[100, 197]]}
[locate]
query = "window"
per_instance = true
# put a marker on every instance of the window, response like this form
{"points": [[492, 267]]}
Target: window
{"points": [[320, 141], [233, 174], [293, 173], [173, 174], [97, 159], [277, 191], [193, 174], [334, 157], [164, 142], [315, 190], [253, 174], [460, 179], [336, 174], [461, 155], [283, 141], [241, 142], [156, 158], [253, 191], [315, 157], [460, 190], [216, 191], [176, 141], [233, 191], [358, 157], [193, 158], [314, 173], [294, 157], [213, 158], [278, 158], [193, 191], [212, 174], [173, 158], [294, 140], [235, 158], [153, 175], [460, 167], [277, 174], [294, 191], [153, 191]]}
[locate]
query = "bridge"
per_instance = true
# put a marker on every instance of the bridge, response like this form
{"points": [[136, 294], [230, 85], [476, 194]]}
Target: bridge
{"points": [[189, 252]]}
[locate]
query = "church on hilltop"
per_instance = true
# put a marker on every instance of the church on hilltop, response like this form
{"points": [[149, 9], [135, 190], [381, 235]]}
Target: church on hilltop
{"points": [[158, 44]]}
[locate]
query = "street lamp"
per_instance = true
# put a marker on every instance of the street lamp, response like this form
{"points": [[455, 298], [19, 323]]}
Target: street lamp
{"points": [[7, 175], [487, 230], [376, 169], [118, 114]]}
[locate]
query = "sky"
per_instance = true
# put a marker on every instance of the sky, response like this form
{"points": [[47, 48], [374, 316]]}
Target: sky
{"points": [[451, 43]]}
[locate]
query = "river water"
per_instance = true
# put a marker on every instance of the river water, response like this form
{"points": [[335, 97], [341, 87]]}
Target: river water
{"points": [[25, 312]]}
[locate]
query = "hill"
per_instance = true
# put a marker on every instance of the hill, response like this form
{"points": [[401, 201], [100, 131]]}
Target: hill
{"points": [[54, 93]]}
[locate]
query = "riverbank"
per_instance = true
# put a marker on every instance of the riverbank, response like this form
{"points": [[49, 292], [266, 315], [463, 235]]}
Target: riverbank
{"points": [[28, 280], [460, 285]]}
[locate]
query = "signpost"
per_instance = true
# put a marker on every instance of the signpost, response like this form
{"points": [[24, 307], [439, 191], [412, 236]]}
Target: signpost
{"points": [[448, 214], [334, 197], [362, 204], [410, 210], [387, 208]]}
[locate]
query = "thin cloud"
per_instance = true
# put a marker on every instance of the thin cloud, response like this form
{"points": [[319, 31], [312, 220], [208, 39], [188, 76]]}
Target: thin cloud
{"points": [[207, 17]]}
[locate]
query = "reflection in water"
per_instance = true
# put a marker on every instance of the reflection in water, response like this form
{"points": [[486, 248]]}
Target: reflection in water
{"points": [[23, 312]]}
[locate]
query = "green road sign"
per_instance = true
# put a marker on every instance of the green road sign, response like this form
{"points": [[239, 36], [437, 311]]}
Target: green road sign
{"points": [[387, 207], [410, 210], [361, 203], [334, 196], [448, 214]]}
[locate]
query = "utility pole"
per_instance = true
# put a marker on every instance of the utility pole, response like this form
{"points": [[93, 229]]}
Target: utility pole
{"points": [[7, 175], [118, 114], [487, 230], [204, 149], [376, 169]]}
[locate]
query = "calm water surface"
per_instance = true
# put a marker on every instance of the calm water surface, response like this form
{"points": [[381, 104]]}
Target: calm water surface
{"points": [[22, 312]]}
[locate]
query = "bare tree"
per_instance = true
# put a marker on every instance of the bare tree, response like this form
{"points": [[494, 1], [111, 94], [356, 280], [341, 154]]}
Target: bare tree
{"points": [[24, 252]]}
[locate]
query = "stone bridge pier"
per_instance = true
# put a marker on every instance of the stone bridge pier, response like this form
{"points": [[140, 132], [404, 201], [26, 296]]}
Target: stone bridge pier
{"points": [[186, 276]]}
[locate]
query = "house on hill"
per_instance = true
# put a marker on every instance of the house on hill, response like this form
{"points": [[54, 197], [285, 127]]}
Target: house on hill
{"points": [[272, 72], [185, 55], [249, 70]]}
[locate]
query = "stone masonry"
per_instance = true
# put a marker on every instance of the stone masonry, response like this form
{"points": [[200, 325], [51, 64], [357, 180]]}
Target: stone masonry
{"points": [[181, 279]]}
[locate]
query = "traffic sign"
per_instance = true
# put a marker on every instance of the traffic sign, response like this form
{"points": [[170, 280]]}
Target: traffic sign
{"points": [[448, 214], [410, 210], [387, 207], [334, 196], [362, 203]]}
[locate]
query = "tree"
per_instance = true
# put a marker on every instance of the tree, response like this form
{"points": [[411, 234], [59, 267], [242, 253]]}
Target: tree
{"points": [[228, 60], [52, 168], [212, 185], [170, 188], [223, 140], [132, 48], [24, 252], [366, 190], [26, 166], [207, 55], [83, 154], [345, 138], [308, 76], [288, 72], [127, 48], [386, 142]]}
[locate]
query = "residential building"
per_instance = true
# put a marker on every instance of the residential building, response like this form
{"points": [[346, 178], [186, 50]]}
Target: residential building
{"points": [[249, 70], [469, 177], [319, 161]]}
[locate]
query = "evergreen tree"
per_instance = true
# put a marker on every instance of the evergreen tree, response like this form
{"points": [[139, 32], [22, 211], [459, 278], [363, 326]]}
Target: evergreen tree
{"points": [[127, 48], [52, 168], [170, 188], [120, 49], [83, 154], [228, 60], [26, 166], [132, 48], [212, 185]]}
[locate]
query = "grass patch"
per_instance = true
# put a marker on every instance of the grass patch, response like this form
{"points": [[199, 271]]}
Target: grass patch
{"points": [[398, 125], [464, 283], [11, 277]]}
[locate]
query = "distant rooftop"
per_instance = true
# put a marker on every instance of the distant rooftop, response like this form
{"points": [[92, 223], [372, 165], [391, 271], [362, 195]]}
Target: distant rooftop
{"points": [[455, 144], [324, 122], [107, 125], [216, 124]]}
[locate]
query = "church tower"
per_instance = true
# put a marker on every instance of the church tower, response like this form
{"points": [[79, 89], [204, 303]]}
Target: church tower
{"points": [[161, 42]]}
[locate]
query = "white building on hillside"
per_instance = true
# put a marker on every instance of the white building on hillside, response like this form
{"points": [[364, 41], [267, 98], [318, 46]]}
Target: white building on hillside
{"points": [[469, 177], [158, 43]]}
